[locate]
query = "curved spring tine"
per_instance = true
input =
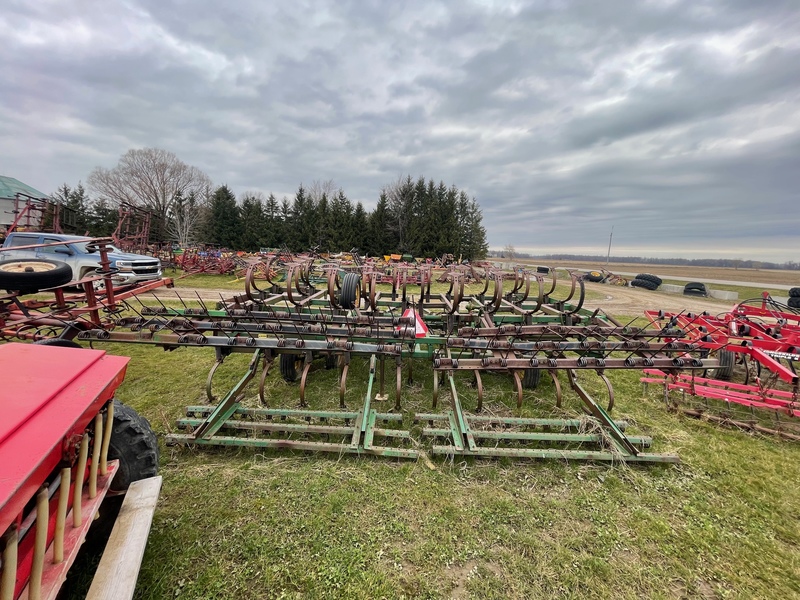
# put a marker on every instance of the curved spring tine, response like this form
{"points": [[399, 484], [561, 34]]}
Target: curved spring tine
{"points": [[333, 275], [610, 391], [518, 384], [497, 298], [485, 282], [399, 386], [373, 304], [557, 385], [209, 393], [343, 383], [582, 288], [573, 281], [303, 381], [553, 278], [436, 388], [527, 277], [479, 385], [265, 371]]}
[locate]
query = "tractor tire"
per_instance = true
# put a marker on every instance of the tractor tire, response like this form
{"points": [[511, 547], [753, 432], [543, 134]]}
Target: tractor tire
{"points": [[29, 275], [134, 443], [288, 367], [543, 269], [331, 360], [595, 276], [351, 291], [531, 378], [794, 292], [644, 283], [724, 372], [648, 277], [794, 301]]}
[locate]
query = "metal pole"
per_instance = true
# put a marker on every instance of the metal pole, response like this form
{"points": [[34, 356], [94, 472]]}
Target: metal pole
{"points": [[608, 256]]}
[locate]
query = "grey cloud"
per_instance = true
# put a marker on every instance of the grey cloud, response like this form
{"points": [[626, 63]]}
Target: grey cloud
{"points": [[696, 154]]}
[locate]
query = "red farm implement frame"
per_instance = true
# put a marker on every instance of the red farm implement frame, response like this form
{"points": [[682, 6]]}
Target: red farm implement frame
{"points": [[763, 337]]}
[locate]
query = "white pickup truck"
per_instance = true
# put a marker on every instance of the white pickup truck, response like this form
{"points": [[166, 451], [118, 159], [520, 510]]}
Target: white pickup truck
{"points": [[129, 268]]}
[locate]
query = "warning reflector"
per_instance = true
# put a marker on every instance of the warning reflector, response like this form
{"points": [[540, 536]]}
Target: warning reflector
{"points": [[420, 329]]}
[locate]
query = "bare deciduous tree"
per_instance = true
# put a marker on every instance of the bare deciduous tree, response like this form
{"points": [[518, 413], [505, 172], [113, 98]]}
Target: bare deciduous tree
{"points": [[184, 217], [150, 178], [317, 188]]}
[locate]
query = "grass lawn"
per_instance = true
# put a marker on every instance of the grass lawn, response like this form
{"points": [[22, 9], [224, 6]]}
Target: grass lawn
{"points": [[268, 524]]}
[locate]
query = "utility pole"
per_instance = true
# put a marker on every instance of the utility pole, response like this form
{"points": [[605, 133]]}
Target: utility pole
{"points": [[608, 256]]}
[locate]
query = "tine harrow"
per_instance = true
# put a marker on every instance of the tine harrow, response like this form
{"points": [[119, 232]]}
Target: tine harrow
{"points": [[297, 311]]}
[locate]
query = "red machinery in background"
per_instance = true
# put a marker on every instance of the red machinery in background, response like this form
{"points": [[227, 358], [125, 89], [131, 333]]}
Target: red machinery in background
{"points": [[761, 336]]}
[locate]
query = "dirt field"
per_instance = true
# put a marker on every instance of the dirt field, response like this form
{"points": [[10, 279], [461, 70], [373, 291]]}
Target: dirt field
{"points": [[765, 276]]}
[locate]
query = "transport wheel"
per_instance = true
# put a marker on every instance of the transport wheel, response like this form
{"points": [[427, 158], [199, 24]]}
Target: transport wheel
{"points": [[724, 372], [794, 301], [351, 291], [28, 276], [331, 360], [794, 292], [288, 366], [644, 283], [134, 443], [531, 378]]}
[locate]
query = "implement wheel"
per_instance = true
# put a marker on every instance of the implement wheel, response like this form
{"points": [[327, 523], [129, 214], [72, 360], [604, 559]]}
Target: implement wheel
{"points": [[531, 378], [724, 372], [351, 291], [134, 443], [28, 276], [288, 366]]}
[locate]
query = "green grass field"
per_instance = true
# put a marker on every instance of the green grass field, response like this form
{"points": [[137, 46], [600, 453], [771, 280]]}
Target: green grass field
{"points": [[255, 524]]}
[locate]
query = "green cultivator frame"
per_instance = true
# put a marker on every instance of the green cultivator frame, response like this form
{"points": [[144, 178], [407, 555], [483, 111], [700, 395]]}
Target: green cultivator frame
{"points": [[513, 326]]}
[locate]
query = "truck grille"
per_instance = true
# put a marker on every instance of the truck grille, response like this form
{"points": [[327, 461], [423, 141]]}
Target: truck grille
{"points": [[146, 268]]}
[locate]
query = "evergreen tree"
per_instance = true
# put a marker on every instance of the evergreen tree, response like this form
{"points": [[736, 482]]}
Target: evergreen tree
{"points": [[252, 223], [283, 239], [272, 234], [341, 224], [360, 226], [379, 239], [322, 227], [101, 218], [225, 222]]}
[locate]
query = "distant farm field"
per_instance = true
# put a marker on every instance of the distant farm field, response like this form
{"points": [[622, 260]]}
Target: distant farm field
{"points": [[766, 276]]}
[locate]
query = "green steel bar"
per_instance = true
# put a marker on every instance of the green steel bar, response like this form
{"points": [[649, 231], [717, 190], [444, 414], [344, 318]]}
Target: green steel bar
{"points": [[271, 426], [370, 432], [281, 412], [455, 431], [543, 437], [291, 444], [228, 405], [562, 423], [562, 454]]}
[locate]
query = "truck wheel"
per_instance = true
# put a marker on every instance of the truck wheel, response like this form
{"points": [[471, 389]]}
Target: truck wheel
{"points": [[134, 443], [29, 275]]}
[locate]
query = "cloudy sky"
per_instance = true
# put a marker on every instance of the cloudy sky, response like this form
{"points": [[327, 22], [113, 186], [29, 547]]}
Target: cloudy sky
{"points": [[677, 123]]}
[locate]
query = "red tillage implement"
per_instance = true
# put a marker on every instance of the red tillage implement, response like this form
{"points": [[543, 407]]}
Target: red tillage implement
{"points": [[54, 437]]}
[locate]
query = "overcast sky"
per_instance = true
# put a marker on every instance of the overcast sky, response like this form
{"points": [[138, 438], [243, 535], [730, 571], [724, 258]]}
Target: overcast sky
{"points": [[677, 123]]}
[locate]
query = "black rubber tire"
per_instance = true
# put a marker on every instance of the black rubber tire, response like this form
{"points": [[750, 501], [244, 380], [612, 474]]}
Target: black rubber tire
{"points": [[794, 292], [58, 343], [724, 372], [794, 301], [331, 360], [288, 366], [351, 291], [695, 288], [649, 277], [644, 283], [531, 378], [134, 443], [542, 269], [594, 276], [43, 274]]}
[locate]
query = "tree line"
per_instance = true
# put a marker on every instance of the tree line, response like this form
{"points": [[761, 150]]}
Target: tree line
{"points": [[419, 216]]}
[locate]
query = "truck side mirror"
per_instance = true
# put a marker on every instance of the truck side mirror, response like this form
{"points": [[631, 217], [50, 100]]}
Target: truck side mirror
{"points": [[66, 251]]}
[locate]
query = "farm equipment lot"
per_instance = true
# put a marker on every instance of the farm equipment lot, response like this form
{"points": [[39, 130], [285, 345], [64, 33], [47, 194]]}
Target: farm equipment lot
{"points": [[250, 524]]}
